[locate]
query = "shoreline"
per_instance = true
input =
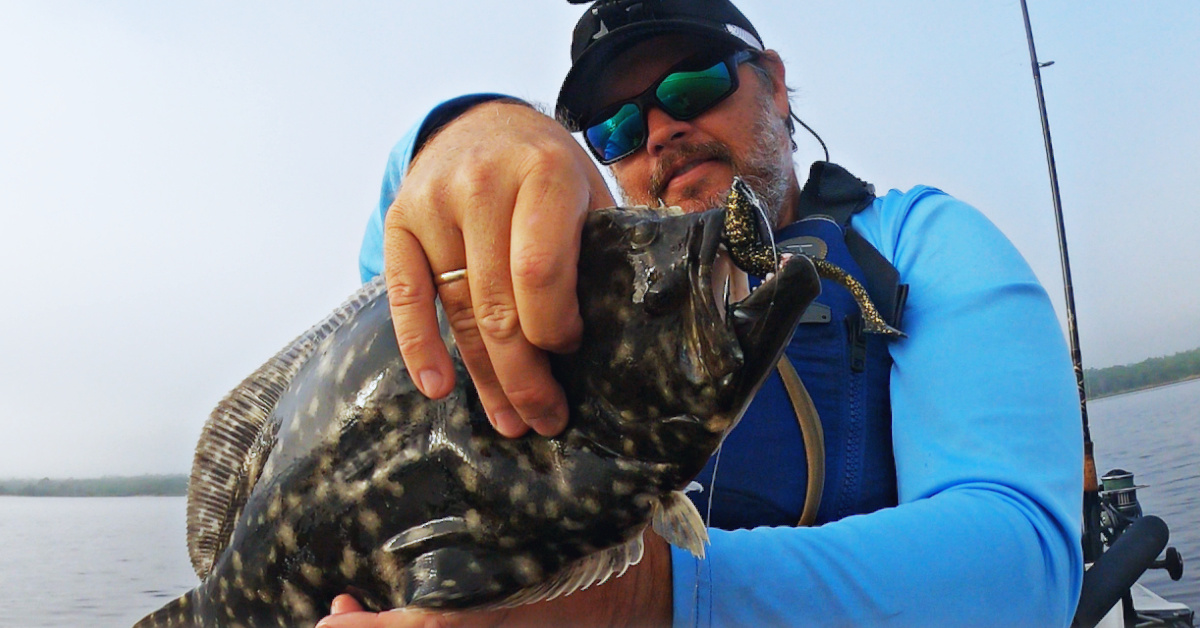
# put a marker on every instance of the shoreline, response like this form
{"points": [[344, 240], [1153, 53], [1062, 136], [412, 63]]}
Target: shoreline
{"points": [[174, 485], [1144, 388]]}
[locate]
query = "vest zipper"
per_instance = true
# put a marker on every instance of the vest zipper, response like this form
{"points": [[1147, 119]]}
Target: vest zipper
{"points": [[854, 427]]}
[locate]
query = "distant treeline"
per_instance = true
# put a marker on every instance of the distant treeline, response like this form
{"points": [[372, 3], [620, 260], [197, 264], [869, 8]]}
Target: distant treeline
{"points": [[1144, 374], [111, 486], [1099, 383]]}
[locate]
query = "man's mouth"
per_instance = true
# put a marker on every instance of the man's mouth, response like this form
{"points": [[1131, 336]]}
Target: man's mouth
{"points": [[684, 169], [679, 164], [685, 182]]}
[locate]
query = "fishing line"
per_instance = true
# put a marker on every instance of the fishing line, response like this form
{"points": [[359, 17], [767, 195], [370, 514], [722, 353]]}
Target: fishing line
{"points": [[775, 257], [712, 484], [762, 214], [712, 488], [765, 220]]}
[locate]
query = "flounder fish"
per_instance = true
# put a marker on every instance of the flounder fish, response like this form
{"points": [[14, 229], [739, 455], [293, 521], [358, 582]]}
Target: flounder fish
{"points": [[327, 471]]}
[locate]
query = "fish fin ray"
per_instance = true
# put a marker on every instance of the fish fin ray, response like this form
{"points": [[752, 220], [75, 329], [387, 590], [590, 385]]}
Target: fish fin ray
{"points": [[678, 522], [177, 612], [591, 570], [236, 439]]}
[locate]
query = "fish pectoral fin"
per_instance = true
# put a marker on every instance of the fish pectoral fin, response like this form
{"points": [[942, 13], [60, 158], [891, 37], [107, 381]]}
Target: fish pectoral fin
{"points": [[678, 522], [416, 539], [593, 569]]}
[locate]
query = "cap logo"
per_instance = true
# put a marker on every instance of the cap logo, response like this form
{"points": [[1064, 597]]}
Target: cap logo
{"points": [[602, 32], [744, 35]]}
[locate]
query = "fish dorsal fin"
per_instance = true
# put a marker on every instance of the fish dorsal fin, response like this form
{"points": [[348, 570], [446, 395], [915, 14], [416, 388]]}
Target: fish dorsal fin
{"points": [[233, 446], [677, 520], [593, 569]]}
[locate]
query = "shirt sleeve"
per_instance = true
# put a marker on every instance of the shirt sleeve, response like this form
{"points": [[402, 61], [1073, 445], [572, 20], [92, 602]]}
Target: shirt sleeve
{"points": [[988, 446], [370, 255]]}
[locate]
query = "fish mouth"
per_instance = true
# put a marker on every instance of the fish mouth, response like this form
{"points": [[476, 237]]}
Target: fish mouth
{"points": [[728, 283], [670, 315], [759, 319]]}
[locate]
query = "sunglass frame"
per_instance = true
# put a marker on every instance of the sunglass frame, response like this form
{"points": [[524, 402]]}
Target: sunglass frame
{"points": [[649, 97]]}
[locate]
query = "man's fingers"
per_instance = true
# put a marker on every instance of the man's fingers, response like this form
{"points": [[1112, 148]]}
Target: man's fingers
{"points": [[528, 393], [520, 368], [391, 619], [346, 612], [344, 603], [511, 213], [456, 302], [414, 317], [546, 225]]}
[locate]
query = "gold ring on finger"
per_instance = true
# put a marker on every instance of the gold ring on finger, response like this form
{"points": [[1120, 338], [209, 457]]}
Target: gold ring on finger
{"points": [[449, 276]]}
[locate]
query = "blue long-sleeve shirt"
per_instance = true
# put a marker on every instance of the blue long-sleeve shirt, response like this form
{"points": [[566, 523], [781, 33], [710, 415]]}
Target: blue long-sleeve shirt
{"points": [[986, 436]]}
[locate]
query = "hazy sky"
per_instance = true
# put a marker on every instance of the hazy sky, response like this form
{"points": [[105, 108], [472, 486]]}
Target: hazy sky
{"points": [[183, 188]]}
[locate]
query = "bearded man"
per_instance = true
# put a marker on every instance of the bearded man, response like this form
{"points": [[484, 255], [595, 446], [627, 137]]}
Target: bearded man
{"points": [[952, 457]]}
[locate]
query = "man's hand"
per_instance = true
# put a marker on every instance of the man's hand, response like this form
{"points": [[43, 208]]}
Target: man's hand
{"points": [[501, 191], [641, 597]]}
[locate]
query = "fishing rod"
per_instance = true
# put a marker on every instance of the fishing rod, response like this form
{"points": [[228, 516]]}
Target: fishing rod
{"points": [[1092, 544]]}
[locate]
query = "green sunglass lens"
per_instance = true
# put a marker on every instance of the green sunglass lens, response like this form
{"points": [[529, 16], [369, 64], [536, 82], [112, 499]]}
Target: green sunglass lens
{"points": [[619, 134], [683, 95], [687, 94]]}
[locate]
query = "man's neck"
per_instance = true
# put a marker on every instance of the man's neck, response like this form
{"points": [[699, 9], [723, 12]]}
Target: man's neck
{"points": [[791, 204]]}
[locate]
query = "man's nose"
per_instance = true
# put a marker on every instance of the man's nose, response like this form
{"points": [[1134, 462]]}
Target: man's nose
{"points": [[662, 131]]}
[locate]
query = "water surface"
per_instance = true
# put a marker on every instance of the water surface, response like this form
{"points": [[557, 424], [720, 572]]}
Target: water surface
{"points": [[90, 561], [1153, 433], [108, 561]]}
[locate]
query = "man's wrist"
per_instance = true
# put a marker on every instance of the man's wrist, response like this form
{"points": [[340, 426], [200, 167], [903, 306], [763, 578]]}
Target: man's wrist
{"points": [[451, 110], [646, 600]]}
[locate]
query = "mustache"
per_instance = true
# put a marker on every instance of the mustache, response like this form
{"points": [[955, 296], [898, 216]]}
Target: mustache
{"points": [[683, 154]]}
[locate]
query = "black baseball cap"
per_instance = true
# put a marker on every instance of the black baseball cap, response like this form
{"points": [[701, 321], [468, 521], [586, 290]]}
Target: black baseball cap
{"points": [[611, 26]]}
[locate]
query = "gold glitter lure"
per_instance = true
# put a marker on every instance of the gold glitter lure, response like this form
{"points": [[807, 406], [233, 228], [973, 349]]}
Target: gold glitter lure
{"points": [[744, 240]]}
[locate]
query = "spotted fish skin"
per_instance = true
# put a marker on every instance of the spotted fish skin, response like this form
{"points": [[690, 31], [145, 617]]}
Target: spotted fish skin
{"points": [[355, 482]]}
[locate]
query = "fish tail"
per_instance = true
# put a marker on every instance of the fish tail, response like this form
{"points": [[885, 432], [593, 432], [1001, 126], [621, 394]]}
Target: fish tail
{"points": [[177, 612]]}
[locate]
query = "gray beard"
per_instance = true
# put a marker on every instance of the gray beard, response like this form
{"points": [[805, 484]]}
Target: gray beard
{"points": [[766, 168]]}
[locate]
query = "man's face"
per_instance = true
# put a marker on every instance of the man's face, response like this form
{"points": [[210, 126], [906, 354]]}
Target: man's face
{"points": [[692, 163]]}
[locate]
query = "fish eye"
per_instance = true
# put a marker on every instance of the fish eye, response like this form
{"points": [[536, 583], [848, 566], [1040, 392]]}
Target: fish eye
{"points": [[644, 233]]}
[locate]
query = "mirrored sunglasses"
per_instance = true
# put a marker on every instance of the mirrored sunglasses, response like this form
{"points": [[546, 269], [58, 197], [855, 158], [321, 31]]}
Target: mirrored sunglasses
{"points": [[687, 90]]}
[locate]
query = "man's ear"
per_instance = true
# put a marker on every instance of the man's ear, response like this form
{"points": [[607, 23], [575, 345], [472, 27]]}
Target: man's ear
{"points": [[769, 59]]}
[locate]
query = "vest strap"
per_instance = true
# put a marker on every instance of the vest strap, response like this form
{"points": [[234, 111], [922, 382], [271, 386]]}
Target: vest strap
{"points": [[832, 191], [814, 438]]}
